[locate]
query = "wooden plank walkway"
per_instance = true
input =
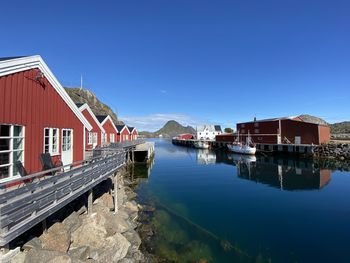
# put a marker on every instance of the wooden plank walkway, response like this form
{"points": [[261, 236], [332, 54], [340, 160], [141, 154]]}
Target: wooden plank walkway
{"points": [[26, 204]]}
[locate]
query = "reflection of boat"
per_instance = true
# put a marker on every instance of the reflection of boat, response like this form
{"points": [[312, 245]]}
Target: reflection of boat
{"points": [[241, 158], [201, 144], [244, 148]]}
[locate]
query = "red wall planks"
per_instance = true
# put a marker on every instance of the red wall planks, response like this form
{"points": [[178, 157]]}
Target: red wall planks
{"points": [[25, 101]]}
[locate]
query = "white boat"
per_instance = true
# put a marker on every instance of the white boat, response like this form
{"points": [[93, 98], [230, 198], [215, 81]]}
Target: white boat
{"points": [[201, 144], [243, 148]]}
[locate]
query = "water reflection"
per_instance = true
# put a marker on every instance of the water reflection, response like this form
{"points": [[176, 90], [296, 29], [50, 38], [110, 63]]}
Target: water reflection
{"points": [[285, 173]]}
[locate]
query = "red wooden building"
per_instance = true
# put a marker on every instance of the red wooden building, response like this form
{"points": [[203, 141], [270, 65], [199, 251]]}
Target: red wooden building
{"points": [[133, 133], [288, 130], [93, 138], [36, 116], [185, 136], [123, 133], [111, 132]]}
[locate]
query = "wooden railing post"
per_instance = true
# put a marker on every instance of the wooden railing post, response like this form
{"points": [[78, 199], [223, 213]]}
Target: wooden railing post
{"points": [[115, 192], [89, 203]]}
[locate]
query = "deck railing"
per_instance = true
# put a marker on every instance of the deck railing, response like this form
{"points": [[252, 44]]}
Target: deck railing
{"points": [[29, 200]]}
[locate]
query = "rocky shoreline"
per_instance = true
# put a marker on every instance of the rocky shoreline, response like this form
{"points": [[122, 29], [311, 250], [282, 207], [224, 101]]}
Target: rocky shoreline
{"points": [[339, 151], [73, 235]]}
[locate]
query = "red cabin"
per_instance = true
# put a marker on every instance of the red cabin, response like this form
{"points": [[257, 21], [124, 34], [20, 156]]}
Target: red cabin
{"points": [[185, 136], [110, 134], [133, 133], [93, 138], [36, 116], [123, 133]]}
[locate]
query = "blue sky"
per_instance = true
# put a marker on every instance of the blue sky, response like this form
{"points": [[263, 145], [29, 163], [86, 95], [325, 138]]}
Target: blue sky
{"points": [[193, 61]]}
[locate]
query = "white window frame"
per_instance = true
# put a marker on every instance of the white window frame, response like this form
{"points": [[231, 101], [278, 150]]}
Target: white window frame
{"points": [[51, 152], [104, 137], [11, 137], [111, 138], [90, 135], [94, 138]]}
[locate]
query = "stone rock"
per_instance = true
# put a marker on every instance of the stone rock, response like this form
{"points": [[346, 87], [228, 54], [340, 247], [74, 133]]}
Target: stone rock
{"points": [[19, 257], [91, 233], [131, 206], [133, 237], [73, 221], [115, 223], [80, 253], [106, 200], [115, 248], [58, 238], [49, 256], [33, 243]]}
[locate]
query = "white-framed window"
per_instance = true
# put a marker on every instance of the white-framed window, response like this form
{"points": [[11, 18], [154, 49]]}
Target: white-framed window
{"points": [[127, 137], [66, 139], [104, 137], [11, 150], [111, 137], [256, 124], [242, 130], [51, 140], [256, 131], [90, 134], [94, 137]]}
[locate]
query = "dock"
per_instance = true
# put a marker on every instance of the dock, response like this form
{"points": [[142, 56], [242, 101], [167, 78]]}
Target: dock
{"points": [[29, 200], [307, 149]]}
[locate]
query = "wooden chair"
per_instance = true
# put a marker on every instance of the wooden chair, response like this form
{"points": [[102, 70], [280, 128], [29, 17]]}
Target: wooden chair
{"points": [[48, 164]]}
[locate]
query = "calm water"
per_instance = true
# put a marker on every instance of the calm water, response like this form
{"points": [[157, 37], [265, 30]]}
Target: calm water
{"points": [[218, 207]]}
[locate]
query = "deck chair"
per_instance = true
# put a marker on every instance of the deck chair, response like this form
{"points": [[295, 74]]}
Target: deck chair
{"points": [[47, 163]]}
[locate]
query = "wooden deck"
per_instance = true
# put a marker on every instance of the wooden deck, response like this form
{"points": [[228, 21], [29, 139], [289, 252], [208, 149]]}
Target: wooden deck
{"points": [[28, 201]]}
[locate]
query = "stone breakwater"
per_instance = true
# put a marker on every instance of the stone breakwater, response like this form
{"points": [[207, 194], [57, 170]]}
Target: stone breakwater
{"points": [[339, 151], [73, 236]]}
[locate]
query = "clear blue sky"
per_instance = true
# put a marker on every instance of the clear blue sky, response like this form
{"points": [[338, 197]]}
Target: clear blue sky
{"points": [[195, 61]]}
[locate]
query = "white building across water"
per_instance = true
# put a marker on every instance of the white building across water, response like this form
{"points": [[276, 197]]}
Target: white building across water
{"points": [[208, 132]]}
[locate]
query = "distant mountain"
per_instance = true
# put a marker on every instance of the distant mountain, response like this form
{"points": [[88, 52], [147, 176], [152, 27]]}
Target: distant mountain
{"points": [[312, 119], [340, 127], [169, 130], [81, 95]]}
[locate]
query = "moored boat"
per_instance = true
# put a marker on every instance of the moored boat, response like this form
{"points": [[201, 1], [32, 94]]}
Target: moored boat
{"points": [[201, 144], [244, 148]]}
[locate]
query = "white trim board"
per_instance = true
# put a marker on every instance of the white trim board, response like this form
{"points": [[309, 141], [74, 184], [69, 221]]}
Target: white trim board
{"points": [[85, 106], [26, 63]]}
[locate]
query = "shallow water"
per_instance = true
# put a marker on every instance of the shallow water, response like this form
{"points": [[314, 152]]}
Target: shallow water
{"points": [[217, 207]]}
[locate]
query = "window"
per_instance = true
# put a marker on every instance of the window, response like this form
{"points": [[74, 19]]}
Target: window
{"points": [[243, 131], [11, 150], [127, 137], [51, 136], [256, 131], [242, 125], [111, 137], [66, 140], [90, 138], [256, 124], [104, 137], [94, 138]]}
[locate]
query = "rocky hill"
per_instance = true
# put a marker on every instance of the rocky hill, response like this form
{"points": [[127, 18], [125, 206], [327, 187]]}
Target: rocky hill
{"points": [[340, 127], [169, 130], [312, 119], [81, 95]]}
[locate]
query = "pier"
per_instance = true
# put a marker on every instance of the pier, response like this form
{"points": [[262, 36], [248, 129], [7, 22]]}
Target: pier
{"points": [[29, 200], [307, 149]]}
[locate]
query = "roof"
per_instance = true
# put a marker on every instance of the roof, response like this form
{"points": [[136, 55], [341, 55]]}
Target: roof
{"points": [[210, 128], [11, 65], [80, 104], [273, 119], [120, 128], [85, 106], [101, 118], [130, 128]]}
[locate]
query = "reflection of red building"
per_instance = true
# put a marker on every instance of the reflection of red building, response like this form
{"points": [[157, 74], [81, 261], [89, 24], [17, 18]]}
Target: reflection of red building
{"points": [[289, 130], [36, 116]]}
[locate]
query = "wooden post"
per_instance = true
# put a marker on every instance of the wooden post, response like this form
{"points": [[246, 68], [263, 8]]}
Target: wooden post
{"points": [[90, 196], [115, 192], [44, 225], [133, 156]]}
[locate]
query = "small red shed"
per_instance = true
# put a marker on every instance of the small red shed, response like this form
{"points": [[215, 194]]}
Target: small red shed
{"points": [[133, 133], [110, 134], [36, 116], [93, 138], [123, 133]]}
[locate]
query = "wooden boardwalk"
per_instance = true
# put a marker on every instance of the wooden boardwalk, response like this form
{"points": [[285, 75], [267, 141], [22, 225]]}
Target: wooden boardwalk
{"points": [[31, 199]]}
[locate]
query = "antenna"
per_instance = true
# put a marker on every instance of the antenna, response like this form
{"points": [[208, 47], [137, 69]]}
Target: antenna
{"points": [[81, 81]]}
